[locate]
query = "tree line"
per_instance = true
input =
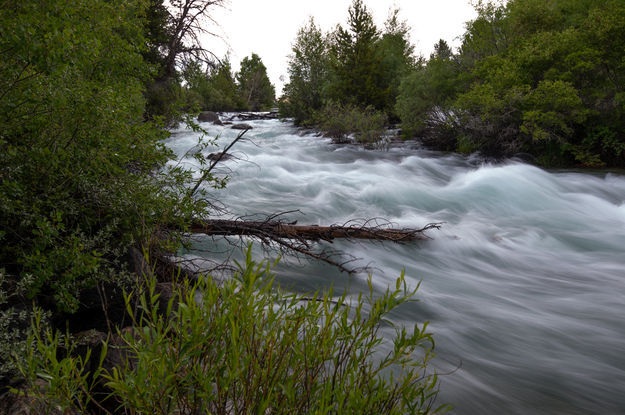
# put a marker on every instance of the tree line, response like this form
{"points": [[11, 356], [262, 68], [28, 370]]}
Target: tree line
{"points": [[542, 79], [187, 77]]}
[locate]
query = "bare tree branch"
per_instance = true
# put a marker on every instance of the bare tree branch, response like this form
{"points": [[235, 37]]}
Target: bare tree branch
{"points": [[214, 163]]}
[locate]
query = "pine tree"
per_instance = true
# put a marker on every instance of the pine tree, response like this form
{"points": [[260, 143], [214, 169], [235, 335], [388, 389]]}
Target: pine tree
{"points": [[254, 86], [357, 71]]}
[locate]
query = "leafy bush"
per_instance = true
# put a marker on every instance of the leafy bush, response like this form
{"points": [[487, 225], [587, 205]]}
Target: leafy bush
{"points": [[339, 121], [529, 77], [83, 175], [426, 90], [15, 324], [249, 347]]}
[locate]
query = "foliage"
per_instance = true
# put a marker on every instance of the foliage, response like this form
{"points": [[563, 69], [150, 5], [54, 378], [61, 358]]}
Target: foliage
{"points": [[530, 76], [425, 93], [212, 90], [308, 72], [15, 322], [397, 59], [157, 31], [367, 125], [249, 347], [357, 72], [83, 177], [357, 68], [166, 101], [58, 378], [255, 88]]}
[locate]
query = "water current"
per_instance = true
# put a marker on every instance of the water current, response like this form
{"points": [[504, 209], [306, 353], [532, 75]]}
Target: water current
{"points": [[524, 285]]}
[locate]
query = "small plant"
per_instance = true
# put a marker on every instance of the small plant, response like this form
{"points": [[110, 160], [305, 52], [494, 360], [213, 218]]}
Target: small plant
{"points": [[57, 378], [246, 346]]}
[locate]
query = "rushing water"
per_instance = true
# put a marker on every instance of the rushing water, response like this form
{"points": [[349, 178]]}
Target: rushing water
{"points": [[524, 286]]}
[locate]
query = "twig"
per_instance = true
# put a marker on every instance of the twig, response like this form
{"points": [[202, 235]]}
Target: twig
{"points": [[214, 163]]}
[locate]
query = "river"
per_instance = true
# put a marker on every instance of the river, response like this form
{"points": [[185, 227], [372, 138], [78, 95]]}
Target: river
{"points": [[524, 285]]}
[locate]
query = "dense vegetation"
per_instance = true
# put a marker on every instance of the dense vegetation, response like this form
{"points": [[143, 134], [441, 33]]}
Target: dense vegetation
{"points": [[248, 347], [83, 176], [544, 78], [353, 72], [216, 88], [87, 190], [187, 77]]}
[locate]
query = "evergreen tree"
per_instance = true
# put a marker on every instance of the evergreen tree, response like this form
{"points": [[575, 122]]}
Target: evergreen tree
{"points": [[214, 89], [255, 89], [308, 71], [225, 87], [442, 51], [157, 34], [357, 72], [397, 58]]}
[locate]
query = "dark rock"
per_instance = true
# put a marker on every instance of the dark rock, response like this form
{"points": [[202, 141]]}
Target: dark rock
{"points": [[139, 263], [209, 116], [526, 157], [118, 355], [241, 127], [116, 352], [215, 156]]}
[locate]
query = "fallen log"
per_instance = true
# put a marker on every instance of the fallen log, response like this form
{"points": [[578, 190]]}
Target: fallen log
{"points": [[281, 230]]}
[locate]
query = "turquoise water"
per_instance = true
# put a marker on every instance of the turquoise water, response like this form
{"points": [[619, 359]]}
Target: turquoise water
{"points": [[524, 286]]}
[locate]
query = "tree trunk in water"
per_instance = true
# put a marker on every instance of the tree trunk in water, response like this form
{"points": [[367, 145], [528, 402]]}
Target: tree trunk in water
{"points": [[274, 229]]}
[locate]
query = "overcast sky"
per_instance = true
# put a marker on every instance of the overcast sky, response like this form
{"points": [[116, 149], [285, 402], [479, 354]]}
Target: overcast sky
{"points": [[268, 27]]}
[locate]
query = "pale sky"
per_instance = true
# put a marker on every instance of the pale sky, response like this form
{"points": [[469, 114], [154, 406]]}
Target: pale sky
{"points": [[268, 27]]}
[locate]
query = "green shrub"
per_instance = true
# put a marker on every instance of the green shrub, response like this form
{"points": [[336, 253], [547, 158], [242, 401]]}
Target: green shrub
{"points": [[367, 125], [246, 346], [15, 322], [83, 176]]}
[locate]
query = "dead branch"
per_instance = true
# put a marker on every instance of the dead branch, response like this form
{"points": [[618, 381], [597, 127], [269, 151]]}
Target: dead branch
{"points": [[279, 230], [217, 159]]}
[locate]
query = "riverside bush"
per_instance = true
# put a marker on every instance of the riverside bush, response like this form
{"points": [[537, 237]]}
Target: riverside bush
{"points": [[84, 178], [535, 77], [339, 121], [247, 346]]}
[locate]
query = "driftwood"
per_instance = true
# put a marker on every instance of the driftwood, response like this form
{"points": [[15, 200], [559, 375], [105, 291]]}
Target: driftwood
{"points": [[276, 229], [296, 239]]}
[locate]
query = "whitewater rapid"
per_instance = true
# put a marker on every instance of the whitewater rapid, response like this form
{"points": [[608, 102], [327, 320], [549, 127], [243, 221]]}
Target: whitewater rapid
{"points": [[524, 285]]}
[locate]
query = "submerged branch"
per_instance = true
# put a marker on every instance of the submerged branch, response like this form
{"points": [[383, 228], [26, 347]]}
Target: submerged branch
{"points": [[296, 239], [277, 229]]}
